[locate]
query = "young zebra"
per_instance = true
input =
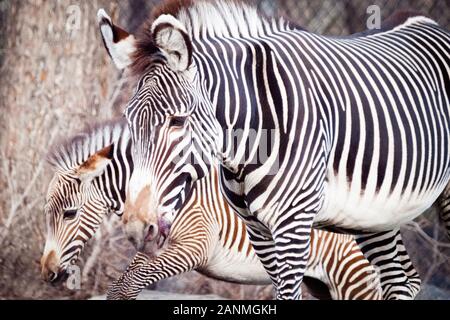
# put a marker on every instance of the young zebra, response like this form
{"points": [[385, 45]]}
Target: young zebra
{"points": [[92, 171], [354, 131]]}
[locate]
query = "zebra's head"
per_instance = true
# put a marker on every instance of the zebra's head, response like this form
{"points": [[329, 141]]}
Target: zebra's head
{"points": [[77, 200], [171, 144]]}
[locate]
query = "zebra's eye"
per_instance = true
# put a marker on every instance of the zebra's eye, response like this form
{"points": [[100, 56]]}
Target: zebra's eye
{"points": [[177, 121], [70, 214]]}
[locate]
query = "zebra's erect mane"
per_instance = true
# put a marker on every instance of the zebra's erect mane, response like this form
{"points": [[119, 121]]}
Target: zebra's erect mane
{"points": [[219, 17], [231, 18], [73, 152]]}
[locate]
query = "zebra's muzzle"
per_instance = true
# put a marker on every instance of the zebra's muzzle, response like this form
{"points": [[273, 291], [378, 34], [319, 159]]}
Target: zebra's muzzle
{"points": [[51, 271], [164, 229], [49, 266]]}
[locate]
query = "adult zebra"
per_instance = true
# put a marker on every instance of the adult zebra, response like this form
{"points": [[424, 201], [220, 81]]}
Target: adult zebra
{"points": [[359, 124], [92, 171]]}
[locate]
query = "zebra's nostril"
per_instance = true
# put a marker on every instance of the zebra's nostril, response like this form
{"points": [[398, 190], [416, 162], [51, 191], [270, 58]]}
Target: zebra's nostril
{"points": [[152, 232], [52, 276]]}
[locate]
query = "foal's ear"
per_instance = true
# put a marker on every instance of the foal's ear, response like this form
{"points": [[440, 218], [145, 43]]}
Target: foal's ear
{"points": [[171, 38], [95, 165], [119, 43]]}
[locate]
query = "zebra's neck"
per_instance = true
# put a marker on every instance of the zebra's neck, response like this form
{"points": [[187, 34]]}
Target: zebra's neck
{"points": [[114, 181], [253, 83]]}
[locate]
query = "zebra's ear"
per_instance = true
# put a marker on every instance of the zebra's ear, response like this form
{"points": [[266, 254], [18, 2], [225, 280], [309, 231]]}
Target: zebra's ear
{"points": [[95, 165], [119, 43], [172, 39]]}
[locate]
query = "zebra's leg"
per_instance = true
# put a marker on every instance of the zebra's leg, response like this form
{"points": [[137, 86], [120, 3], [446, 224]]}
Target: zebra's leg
{"points": [[275, 262], [444, 209], [386, 251], [142, 272], [284, 255], [292, 246], [264, 247]]}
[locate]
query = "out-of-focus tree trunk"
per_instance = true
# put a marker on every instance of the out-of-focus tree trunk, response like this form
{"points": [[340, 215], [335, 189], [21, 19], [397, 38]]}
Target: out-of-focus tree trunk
{"points": [[55, 77]]}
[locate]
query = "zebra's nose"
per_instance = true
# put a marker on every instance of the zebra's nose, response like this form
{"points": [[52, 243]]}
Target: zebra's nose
{"points": [[50, 267]]}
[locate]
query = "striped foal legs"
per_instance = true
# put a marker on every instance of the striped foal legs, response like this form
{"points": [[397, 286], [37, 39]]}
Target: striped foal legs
{"points": [[143, 272], [386, 251]]}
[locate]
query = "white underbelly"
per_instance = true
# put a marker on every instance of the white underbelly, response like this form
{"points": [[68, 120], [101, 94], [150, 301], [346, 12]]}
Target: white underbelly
{"points": [[355, 209], [230, 265], [233, 266]]}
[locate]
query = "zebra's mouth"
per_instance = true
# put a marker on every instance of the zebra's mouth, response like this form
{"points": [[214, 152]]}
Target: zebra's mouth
{"points": [[163, 232], [163, 235], [156, 237], [161, 240], [154, 248]]}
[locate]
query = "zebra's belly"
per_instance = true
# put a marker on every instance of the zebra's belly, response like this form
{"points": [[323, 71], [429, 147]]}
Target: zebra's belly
{"points": [[237, 267], [245, 267], [359, 210]]}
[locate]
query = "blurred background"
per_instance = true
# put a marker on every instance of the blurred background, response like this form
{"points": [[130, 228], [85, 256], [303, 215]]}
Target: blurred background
{"points": [[55, 77]]}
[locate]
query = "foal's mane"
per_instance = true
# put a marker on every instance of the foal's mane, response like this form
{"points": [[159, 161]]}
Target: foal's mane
{"points": [[74, 151]]}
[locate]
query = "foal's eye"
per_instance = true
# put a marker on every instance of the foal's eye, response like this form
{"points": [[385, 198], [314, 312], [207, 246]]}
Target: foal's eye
{"points": [[177, 121], [70, 214]]}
